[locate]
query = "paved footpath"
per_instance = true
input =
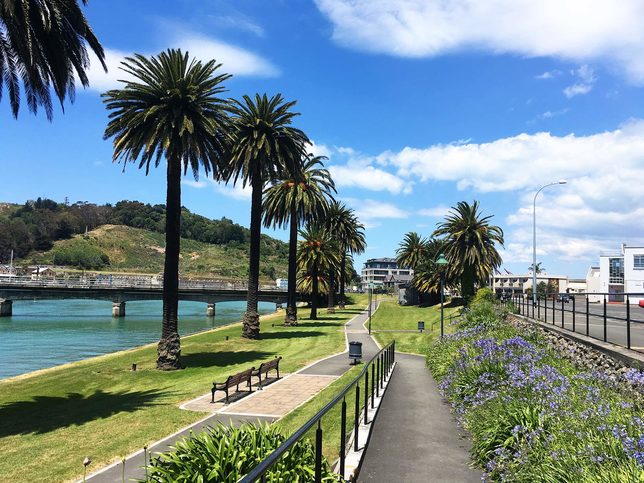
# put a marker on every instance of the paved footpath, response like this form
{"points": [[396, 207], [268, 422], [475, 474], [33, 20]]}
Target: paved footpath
{"points": [[415, 438], [277, 399]]}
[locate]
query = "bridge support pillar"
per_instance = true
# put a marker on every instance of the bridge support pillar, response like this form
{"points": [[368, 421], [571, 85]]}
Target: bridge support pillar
{"points": [[6, 308], [118, 309], [210, 311]]}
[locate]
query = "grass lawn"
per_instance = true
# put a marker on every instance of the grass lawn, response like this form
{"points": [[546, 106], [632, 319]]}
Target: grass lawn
{"points": [[51, 420], [391, 316]]}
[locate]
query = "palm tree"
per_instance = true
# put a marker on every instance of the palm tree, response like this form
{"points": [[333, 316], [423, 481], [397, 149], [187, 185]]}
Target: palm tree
{"points": [[412, 251], [170, 110], [43, 44], [470, 245], [539, 268], [264, 147], [317, 254], [344, 226], [299, 197]]}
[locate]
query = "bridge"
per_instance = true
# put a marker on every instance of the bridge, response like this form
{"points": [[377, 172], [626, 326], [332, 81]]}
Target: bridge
{"points": [[120, 290]]}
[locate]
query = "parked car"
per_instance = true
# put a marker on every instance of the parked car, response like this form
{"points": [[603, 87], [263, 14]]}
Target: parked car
{"points": [[563, 297], [642, 303]]}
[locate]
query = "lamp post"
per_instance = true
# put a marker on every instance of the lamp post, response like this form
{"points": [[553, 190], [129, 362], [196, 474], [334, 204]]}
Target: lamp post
{"points": [[534, 238], [442, 261]]}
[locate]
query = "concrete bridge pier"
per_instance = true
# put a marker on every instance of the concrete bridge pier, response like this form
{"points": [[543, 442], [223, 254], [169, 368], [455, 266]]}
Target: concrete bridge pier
{"points": [[210, 311], [6, 308], [118, 309]]}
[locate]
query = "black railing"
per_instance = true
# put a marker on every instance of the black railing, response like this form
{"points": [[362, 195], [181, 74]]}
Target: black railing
{"points": [[611, 317], [381, 366]]}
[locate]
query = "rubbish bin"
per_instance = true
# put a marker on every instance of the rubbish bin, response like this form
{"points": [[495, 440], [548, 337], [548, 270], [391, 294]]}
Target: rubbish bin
{"points": [[421, 326], [355, 351]]}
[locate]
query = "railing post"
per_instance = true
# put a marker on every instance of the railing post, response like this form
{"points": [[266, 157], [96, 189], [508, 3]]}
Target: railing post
{"points": [[628, 323], [554, 300], [538, 308], [377, 375], [373, 389], [343, 434], [605, 318], [356, 422], [366, 395], [562, 312], [573, 313], [318, 453], [545, 309], [587, 315]]}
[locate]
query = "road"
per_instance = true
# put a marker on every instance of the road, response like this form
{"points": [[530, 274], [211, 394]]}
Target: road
{"points": [[616, 324]]}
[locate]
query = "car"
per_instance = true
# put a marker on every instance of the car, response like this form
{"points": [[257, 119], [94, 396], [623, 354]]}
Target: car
{"points": [[563, 297], [641, 303]]}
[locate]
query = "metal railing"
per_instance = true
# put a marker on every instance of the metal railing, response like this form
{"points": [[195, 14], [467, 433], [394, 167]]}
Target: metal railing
{"points": [[611, 317], [380, 367], [119, 281]]}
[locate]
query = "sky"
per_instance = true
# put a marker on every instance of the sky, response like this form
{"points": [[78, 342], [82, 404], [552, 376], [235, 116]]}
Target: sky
{"points": [[418, 105]]}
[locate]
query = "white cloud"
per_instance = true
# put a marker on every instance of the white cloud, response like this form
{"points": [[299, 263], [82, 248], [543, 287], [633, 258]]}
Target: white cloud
{"points": [[586, 79], [194, 184], [355, 175], [576, 30], [437, 211], [237, 22], [235, 60], [550, 74], [551, 114], [319, 149], [229, 190], [368, 211]]}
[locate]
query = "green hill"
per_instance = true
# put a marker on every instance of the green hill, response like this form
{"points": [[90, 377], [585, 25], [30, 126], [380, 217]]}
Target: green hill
{"points": [[119, 248]]}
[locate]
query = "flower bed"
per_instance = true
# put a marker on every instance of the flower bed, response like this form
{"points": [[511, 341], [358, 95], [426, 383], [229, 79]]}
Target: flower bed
{"points": [[532, 414]]}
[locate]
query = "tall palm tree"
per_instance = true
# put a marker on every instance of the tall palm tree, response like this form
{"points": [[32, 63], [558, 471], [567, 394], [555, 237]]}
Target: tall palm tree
{"points": [[264, 147], [342, 223], [412, 251], [300, 196], [470, 245], [539, 268], [43, 44], [317, 253], [170, 110]]}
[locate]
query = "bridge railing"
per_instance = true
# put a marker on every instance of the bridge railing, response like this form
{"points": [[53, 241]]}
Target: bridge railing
{"points": [[119, 281]]}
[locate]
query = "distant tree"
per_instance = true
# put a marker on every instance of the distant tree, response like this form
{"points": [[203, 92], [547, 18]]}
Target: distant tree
{"points": [[170, 110], [43, 44], [539, 268]]}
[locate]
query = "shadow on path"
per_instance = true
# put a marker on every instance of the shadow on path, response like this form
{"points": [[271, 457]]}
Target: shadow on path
{"points": [[48, 413]]}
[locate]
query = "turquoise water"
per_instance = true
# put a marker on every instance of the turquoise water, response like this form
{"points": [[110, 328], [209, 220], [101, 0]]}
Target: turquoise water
{"points": [[46, 333]]}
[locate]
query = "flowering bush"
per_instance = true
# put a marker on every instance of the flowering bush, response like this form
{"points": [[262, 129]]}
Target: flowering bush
{"points": [[532, 414]]}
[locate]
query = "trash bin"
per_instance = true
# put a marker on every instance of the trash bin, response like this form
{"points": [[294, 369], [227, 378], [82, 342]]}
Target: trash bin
{"points": [[421, 326], [355, 351]]}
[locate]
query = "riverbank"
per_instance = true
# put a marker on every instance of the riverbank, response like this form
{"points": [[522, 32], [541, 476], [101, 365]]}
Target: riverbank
{"points": [[101, 409]]}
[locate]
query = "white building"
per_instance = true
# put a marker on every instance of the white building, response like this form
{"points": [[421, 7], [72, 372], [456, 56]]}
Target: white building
{"points": [[519, 284], [282, 283], [621, 272], [384, 271]]}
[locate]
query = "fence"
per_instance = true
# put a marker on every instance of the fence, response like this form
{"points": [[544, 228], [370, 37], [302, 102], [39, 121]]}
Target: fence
{"points": [[620, 323], [380, 367]]}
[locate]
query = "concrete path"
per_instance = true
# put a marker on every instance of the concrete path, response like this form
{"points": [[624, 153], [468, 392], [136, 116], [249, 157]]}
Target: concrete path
{"points": [[415, 437], [276, 400]]}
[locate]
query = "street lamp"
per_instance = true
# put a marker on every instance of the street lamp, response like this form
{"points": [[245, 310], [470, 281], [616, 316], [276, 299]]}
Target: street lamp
{"points": [[534, 238], [442, 261]]}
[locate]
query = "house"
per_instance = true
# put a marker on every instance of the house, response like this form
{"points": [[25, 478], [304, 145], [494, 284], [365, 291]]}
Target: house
{"points": [[510, 283], [384, 272], [282, 283]]}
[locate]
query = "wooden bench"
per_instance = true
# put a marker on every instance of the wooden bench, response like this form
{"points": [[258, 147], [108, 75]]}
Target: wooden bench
{"points": [[233, 381], [265, 367]]}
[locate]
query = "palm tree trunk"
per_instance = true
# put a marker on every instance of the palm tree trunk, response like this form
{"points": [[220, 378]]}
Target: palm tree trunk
{"points": [[169, 348], [467, 284], [343, 268], [250, 328], [314, 292], [291, 304], [331, 304]]}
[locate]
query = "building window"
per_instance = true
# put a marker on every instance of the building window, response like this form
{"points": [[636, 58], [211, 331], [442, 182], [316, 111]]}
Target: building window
{"points": [[616, 270], [638, 262]]}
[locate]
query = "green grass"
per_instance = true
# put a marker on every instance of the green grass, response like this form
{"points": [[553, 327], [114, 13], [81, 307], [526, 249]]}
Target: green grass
{"points": [[391, 316], [53, 419]]}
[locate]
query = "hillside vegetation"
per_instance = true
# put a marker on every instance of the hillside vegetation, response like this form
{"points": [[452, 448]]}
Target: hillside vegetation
{"points": [[129, 236], [119, 248]]}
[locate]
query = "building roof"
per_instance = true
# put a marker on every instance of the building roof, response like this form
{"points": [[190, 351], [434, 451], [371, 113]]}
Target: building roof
{"points": [[385, 260]]}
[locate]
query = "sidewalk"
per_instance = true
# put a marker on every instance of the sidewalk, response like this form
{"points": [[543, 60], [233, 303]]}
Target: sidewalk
{"points": [[268, 405], [415, 437]]}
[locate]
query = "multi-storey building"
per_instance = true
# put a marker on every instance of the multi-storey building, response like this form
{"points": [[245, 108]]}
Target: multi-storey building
{"points": [[620, 272], [518, 284], [384, 272]]}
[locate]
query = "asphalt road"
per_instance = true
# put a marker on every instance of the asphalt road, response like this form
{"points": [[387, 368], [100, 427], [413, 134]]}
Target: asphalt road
{"points": [[616, 323]]}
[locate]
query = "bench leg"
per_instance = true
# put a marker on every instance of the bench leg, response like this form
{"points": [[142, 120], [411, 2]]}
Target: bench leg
{"points": [[213, 396], [259, 384], [227, 402], [278, 371]]}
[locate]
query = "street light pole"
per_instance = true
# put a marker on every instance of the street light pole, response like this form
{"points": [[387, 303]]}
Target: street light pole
{"points": [[441, 261], [442, 306], [534, 238]]}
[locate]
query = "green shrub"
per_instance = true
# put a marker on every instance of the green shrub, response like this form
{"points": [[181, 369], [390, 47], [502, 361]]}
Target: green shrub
{"points": [[483, 295], [80, 253], [224, 454]]}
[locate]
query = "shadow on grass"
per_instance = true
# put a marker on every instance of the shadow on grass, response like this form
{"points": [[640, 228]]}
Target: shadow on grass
{"points": [[320, 323], [43, 414], [222, 358]]}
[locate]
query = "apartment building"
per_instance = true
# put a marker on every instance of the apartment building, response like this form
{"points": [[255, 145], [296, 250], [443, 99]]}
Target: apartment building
{"points": [[384, 272], [620, 272]]}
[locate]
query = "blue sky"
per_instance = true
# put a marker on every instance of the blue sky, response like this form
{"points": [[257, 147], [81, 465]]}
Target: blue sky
{"points": [[417, 104]]}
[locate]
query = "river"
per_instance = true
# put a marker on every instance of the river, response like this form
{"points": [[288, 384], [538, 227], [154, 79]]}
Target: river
{"points": [[46, 333]]}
